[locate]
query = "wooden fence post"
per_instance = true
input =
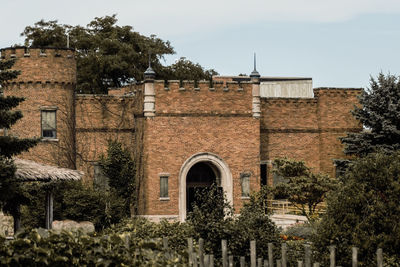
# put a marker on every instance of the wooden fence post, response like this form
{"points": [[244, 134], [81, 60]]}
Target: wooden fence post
{"points": [[211, 260], [194, 255], [284, 250], [253, 255], [206, 260], [316, 264], [230, 259], [270, 255], [299, 263], [332, 256], [354, 260], [190, 250], [224, 253], [265, 263], [307, 255], [201, 252], [242, 261], [379, 257], [278, 263], [259, 262]]}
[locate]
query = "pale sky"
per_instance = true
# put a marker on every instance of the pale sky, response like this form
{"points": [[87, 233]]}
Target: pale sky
{"points": [[338, 43]]}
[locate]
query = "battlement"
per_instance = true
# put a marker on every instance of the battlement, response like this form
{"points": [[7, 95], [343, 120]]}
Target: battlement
{"points": [[191, 85], [334, 91], [173, 97], [42, 65], [23, 51]]}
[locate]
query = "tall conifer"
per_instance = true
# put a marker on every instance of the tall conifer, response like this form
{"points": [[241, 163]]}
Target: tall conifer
{"points": [[379, 113], [11, 195]]}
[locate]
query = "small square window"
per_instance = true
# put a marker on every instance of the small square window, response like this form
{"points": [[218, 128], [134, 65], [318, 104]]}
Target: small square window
{"points": [[164, 186], [245, 183], [48, 118]]}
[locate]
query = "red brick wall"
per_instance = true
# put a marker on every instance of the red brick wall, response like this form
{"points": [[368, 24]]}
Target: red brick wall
{"points": [[188, 122], [45, 80], [308, 129]]}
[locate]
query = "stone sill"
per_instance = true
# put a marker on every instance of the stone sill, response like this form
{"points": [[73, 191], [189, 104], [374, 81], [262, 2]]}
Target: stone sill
{"points": [[245, 198], [49, 140], [164, 198]]}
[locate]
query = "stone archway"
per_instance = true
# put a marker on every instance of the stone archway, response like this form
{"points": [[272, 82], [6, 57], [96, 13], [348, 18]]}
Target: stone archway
{"points": [[197, 164]]}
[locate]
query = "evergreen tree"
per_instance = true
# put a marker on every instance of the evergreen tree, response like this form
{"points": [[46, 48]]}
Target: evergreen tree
{"points": [[379, 113], [11, 195]]}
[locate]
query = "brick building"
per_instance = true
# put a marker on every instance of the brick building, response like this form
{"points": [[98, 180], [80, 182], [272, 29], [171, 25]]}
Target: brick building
{"points": [[183, 135]]}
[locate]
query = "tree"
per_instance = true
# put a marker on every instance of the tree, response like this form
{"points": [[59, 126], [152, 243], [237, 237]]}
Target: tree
{"points": [[11, 194], [304, 189], [184, 69], [379, 113], [109, 55], [119, 168], [364, 211]]}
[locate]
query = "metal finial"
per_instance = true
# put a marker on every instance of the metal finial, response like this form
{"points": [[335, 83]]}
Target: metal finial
{"points": [[149, 73], [255, 69], [255, 73]]}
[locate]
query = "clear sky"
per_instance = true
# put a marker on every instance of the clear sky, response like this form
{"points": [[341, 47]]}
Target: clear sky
{"points": [[339, 43]]}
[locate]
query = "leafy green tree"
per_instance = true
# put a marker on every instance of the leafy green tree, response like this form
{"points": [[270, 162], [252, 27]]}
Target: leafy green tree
{"points": [[184, 69], [119, 168], [304, 189], [11, 195], [109, 55], [379, 113], [364, 211]]}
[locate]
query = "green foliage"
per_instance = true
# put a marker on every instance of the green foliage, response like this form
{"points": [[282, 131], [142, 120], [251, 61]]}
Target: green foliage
{"points": [[42, 248], [11, 195], [303, 188], [380, 114], [302, 231], [364, 211], [119, 168], [254, 224], [184, 69], [72, 201], [109, 55], [212, 219]]}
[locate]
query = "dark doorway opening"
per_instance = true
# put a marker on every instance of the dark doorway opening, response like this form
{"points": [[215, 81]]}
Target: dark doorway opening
{"points": [[200, 176]]}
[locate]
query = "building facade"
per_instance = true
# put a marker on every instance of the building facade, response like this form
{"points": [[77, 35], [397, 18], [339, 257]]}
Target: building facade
{"points": [[182, 135]]}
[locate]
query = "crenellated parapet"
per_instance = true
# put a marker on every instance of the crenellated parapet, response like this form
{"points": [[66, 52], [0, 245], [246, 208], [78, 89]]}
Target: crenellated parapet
{"points": [[202, 97], [43, 65]]}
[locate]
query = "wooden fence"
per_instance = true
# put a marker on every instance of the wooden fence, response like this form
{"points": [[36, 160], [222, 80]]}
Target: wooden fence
{"points": [[198, 258]]}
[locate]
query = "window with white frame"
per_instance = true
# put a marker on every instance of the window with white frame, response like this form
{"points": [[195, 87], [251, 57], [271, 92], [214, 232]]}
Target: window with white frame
{"points": [[49, 123]]}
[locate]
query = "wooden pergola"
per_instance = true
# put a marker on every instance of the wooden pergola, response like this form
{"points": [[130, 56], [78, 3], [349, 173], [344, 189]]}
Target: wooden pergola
{"points": [[31, 171]]}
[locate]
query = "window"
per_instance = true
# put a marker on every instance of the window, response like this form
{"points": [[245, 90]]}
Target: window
{"points": [[164, 186], [49, 130], [263, 174], [245, 182]]}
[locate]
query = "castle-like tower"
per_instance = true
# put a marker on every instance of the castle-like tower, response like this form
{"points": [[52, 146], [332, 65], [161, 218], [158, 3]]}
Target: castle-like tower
{"points": [[47, 82], [184, 135]]}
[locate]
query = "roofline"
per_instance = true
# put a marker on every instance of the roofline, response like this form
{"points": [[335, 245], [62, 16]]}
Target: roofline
{"points": [[36, 47]]}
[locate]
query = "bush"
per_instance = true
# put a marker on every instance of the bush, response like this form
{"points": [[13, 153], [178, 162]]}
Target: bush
{"points": [[43, 248], [301, 231], [73, 201], [364, 211]]}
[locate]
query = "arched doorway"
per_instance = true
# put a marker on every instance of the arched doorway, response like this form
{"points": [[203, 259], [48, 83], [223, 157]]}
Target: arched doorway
{"points": [[201, 170], [200, 176]]}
